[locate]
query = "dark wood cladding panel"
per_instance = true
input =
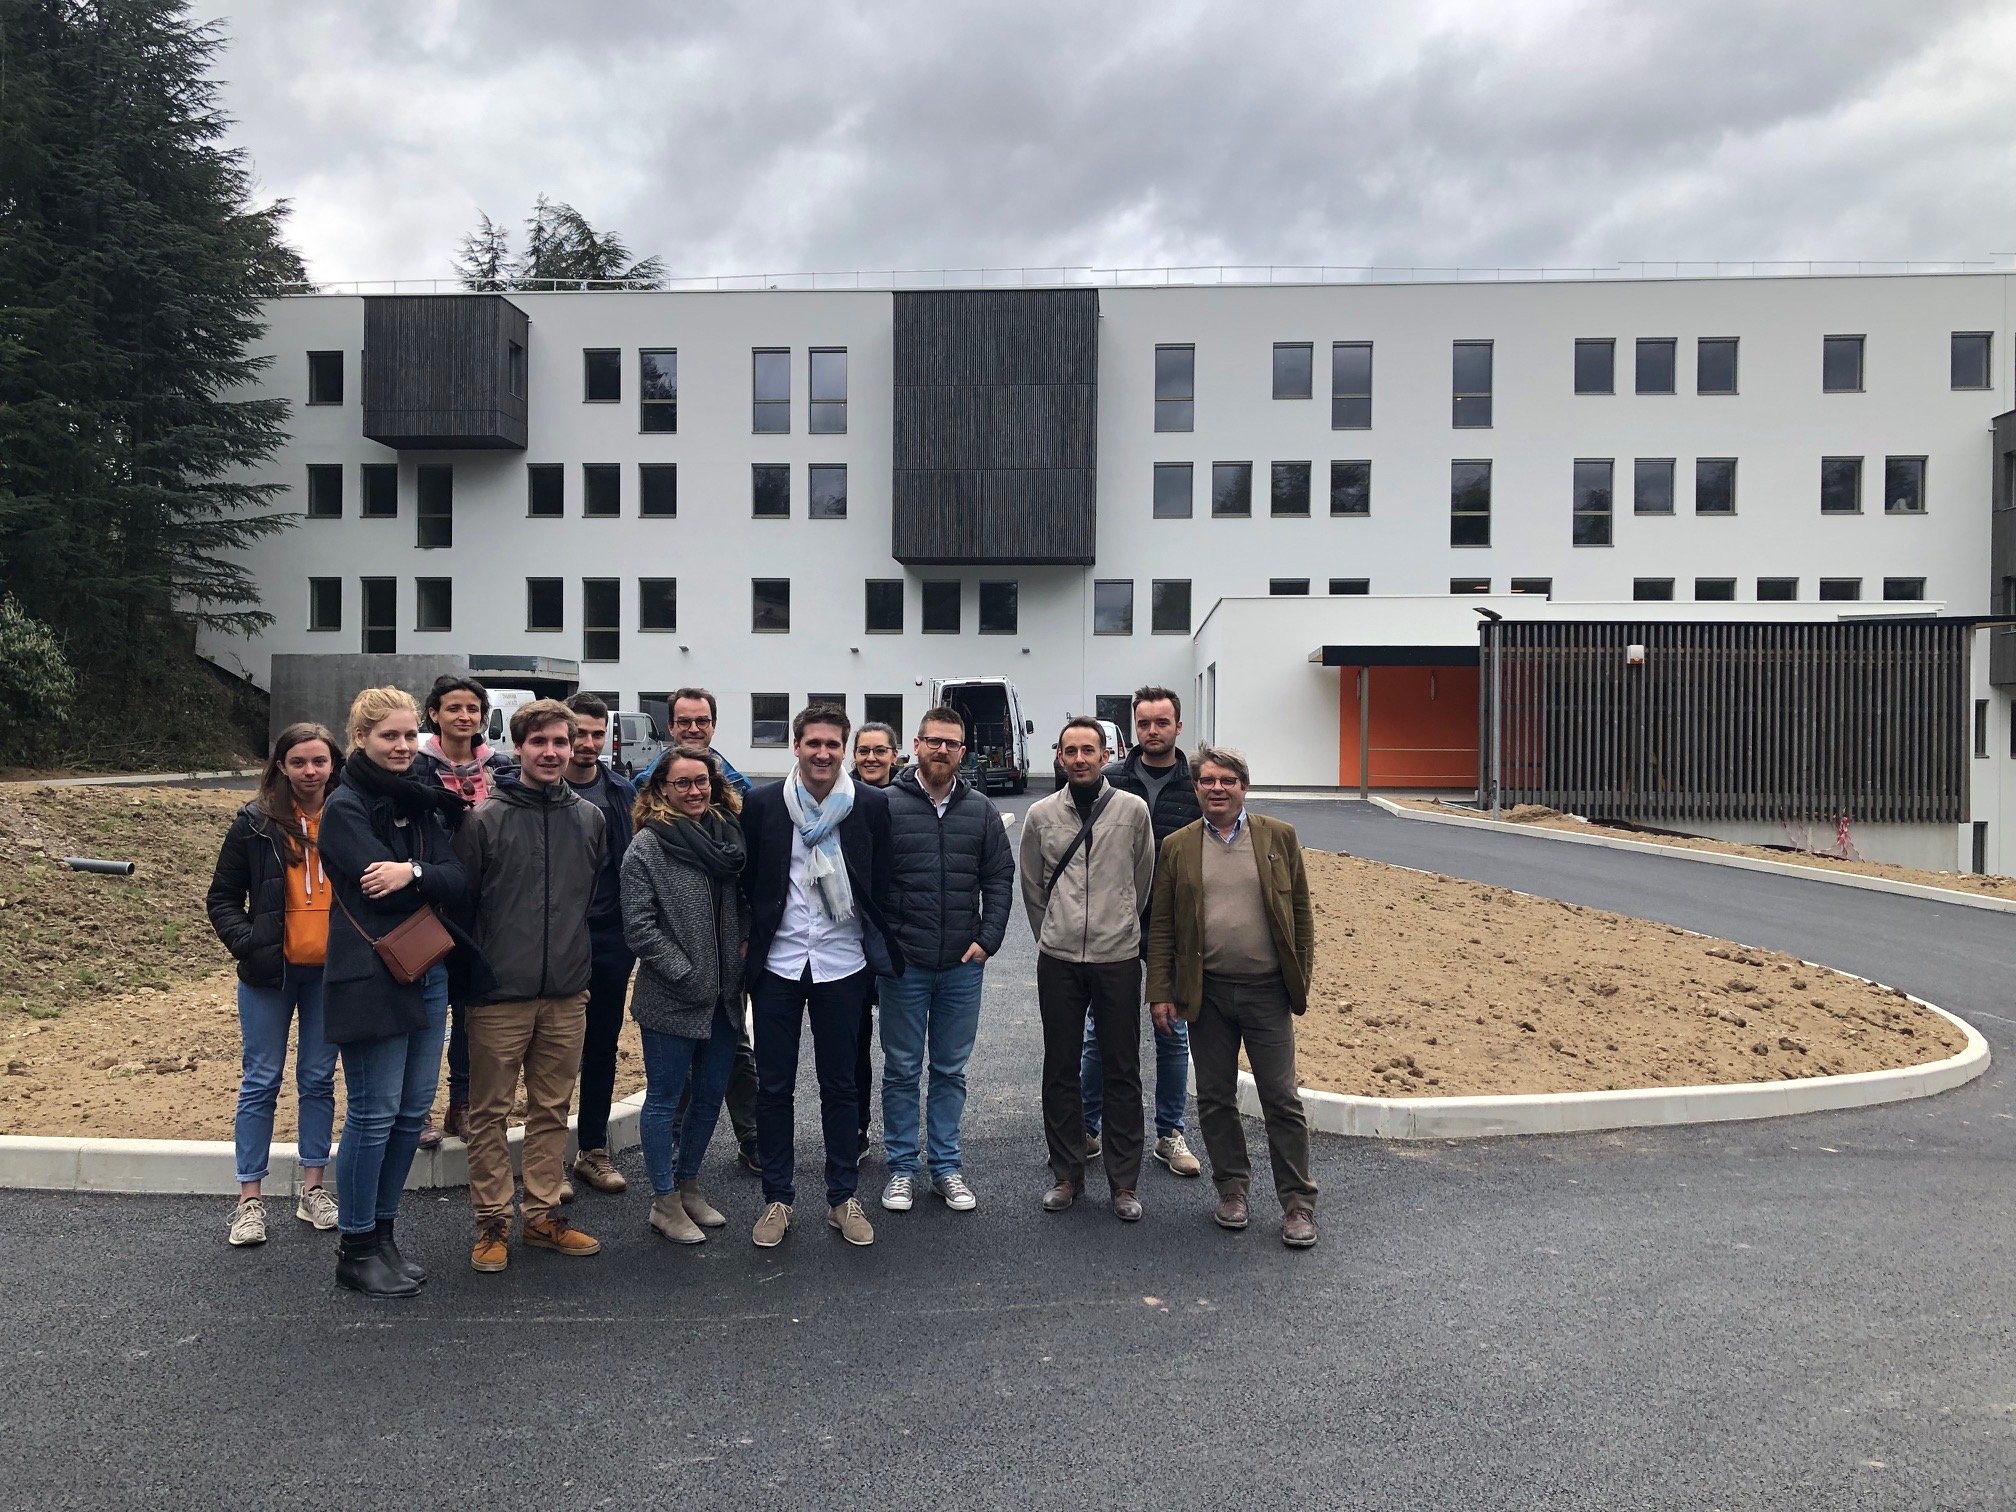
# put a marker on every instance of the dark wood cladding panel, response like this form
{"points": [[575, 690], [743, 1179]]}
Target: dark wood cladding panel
{"points": [[991, 516], [2002, 549], [437, 371]]}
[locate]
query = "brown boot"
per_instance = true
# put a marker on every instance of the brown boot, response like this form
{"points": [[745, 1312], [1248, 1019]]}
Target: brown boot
{"points": [[455, 1122], [556, 1233], [1061, 1196], [1232, 1211], [698, 1208], [1298, 1228], [669, 1217], [594, 1169]]}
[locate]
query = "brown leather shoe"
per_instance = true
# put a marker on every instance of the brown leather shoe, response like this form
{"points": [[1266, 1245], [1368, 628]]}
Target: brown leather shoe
{"points": [[455, 1122], [493, 1246], [1060, 1196], [1126, 1206], [594, 1169], [430, 1137], [1232, 1212], [556, 1233], [1298, 1228]]}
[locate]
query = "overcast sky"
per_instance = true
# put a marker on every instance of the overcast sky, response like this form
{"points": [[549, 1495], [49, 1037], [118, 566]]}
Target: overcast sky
{"points": [[781, 137]]}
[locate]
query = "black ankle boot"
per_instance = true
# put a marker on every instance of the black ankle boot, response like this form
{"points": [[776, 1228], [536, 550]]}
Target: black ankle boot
{"points": [[412, 1270], [361, 1266]]}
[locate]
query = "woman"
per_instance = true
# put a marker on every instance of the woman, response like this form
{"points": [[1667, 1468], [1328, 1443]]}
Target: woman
{"points": [[386, 847], [684, 919], [269, 903]]}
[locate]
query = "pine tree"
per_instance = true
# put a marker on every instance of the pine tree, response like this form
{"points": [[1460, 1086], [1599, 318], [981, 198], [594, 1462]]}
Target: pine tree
{"points": [[562, 247], [485, 264]]}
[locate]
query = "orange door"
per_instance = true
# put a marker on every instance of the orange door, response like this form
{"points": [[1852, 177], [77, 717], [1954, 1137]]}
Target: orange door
{"points": [[1424, 727]]}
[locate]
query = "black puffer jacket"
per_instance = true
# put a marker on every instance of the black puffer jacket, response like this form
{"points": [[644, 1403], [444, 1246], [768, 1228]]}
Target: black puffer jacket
{"points": [[954, 878], [1177, 805], [247, 901]]}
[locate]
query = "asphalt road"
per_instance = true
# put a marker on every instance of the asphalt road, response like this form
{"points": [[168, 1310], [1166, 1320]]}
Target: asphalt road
{"points": [[1802, 1313]]}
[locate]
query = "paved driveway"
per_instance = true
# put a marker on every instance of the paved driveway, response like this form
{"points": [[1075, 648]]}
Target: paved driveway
{"points": [[1806, 1313]]}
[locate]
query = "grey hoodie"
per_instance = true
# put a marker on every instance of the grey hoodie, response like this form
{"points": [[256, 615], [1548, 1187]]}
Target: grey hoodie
{"points": [[533, 856]]}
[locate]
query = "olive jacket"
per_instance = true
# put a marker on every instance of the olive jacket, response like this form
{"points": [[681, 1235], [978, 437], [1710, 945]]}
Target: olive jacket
{"points": [[1176, 914]]}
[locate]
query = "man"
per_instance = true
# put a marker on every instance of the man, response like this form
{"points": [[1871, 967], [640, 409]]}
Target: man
{"points": [[817, 885], [1155, 772], [874, 764], [534, 856], [609, 974], [953, 882], [1088, 857], [1231, 945], [694, 713]]}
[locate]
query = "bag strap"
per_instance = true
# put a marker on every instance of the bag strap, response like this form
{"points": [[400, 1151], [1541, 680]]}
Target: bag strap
{"points": [[337, 894], [1084, 834]]}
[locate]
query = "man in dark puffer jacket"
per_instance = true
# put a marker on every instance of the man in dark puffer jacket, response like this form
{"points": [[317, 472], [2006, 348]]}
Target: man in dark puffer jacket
{"points": [[954, 887]]}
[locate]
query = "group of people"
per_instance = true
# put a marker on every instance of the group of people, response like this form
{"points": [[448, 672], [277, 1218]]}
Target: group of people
{"points": [[423, 882]]}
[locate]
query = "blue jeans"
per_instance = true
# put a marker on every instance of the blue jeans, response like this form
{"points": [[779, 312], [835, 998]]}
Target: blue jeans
{"points": [[264, 1014], [780, 1008], [670, 1062], [941, 1008], [390, 1084], [1172, 1079]]}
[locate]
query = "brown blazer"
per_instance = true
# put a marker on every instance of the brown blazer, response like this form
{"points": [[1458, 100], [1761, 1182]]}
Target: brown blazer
{"points": [[1176, 916]]}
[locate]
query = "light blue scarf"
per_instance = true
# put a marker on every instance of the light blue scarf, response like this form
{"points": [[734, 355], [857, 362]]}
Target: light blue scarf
{"points": [[819, 824]]}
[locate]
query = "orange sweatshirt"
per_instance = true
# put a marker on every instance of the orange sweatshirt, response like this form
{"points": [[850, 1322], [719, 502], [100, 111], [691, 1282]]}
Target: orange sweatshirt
{"points": [[308, 895]]}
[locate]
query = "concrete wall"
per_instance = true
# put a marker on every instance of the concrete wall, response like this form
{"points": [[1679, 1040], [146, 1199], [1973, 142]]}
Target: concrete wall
{"points": [[321, 687]]}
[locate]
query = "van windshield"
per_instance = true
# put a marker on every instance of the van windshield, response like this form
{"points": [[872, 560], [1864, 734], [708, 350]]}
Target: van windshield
{"points": [[985, 706]]}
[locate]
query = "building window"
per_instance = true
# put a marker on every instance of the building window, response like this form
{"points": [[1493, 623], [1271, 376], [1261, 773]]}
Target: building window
{"points": [[1288, 587], [1231, 488], [1904, 590], [1000, 607], [1113, 606], [1351, 385], [1470, 504], [435, 492], [601, 375], [1841, 365], [769, 720], [1655, 364], [1715, 365], [1715, 590], [381, 613], [1114, 708], [1169, 606], [882, 708], [1970, 359], [657, 603], [325, 603], [601, 490], [381, 490], [1470, 586], [433, 603], [828, 387], [1980, 733], [325, 491], [1777, 590], [1595, 365], [1172, 490], [1652, 590], [325, 378], [658, 392], [826, 491], [770, 491], [941, 606], [1471, 367], [1351, 587], [884, 606], [657, 490], [545, 490], [542, 604], [1652, 485], [1715, 485], [770, 606], [1840, 590], [1592, 500], [770, 391], [1903, 485], [601, 619], [514, 370], [1290, 488], [1294, 369], [1537, 587], [1350, 488], [1840, 485], [1175, 388]]}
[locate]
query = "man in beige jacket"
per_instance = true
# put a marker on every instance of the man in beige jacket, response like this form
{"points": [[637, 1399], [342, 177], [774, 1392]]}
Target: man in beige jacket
{"points": [[1087, 863]]}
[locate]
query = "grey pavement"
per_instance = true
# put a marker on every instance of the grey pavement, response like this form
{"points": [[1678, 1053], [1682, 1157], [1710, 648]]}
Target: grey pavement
{"points": [[1801, 1313]]}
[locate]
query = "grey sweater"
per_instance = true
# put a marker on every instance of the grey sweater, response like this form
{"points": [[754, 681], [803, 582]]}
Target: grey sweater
{"points": [[687, 934]]}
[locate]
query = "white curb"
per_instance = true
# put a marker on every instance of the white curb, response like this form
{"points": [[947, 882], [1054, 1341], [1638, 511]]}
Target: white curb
{"points": [[186, 1166], [135, 779]]}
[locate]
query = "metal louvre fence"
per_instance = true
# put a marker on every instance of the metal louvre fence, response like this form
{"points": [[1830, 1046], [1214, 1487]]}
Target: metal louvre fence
{"points": [[1858, 720]]}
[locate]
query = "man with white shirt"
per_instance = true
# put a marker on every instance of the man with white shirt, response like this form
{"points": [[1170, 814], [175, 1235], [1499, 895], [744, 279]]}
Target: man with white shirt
{"points": [[817, 883]]}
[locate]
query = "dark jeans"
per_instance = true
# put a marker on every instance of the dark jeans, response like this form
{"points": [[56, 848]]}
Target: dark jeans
{"points": [[1255, 1011], [741, 1099], [676, 1068], [389, 1085], [781, 1007], [1111, 992], [864, 1062], [608, 991], [458, 1056]]}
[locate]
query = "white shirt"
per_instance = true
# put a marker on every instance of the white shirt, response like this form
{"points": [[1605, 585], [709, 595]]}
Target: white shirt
{"points": [[806, 937]]}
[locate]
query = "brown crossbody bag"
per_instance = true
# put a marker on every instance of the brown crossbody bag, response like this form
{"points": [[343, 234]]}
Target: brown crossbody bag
{"points": [[418, 944]]}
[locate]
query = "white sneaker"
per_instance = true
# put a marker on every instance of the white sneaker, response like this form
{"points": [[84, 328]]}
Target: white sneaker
{"points": [[900, 1195], [958, 1196], [316, 1206], [248, 1224]]}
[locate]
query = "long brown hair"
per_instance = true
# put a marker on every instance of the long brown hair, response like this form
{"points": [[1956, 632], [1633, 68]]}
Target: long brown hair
{"points": [[275, 799], [652, 802]]}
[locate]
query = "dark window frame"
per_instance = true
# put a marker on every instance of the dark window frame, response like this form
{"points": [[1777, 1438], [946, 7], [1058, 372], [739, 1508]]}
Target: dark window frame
{"points": [[1307, 349], [757, 610], [1474, 403], [319, 589], [868, 606], [822, 412], [1922, 465], [591, 371], [1652, 590], [1186, 472], [606, 478], [549, 475], [814, 472], [1702, 344], [1903, 590], [1589, 520], [1288, 587], [1534, 587], [1011, 624], [318, 373], [934, 589], [386, 628], [1241, 475], [1341, 486], [656, 414], [647, 587], [1350, 587], [1781, 590], [1834, 484], [1470, 587], [370, 478], [421, 587], [1828, 345], [1659, 465], [1162, 616], [1651, 346], [1840, 590], [769, 721], [1279, 473], [1350, 409], [762, 410], [1719, 514], [599, 637], [1458, 516], [1181, 406], [324, 479], [654, 479], [1987, 347], [1607, 346], [435, 515], [535, 588], [1709, 590], [1126, 608], [759, 474]]}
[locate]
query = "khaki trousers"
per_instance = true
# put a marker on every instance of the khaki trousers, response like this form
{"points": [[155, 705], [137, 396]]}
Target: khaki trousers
{"points": [[540, 1038], [1257, 1012]]}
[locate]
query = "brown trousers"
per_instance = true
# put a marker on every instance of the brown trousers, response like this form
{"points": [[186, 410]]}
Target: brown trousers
{"points": [[540, 1037], [1256, 1011]]}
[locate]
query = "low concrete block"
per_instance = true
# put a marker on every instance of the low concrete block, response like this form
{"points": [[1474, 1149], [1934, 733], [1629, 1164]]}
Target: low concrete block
{"points": [[35, 1163], [157, 1165]]}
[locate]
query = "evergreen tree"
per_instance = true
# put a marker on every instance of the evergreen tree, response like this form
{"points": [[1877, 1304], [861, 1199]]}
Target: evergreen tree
{"points": [[561, 247], [485, 263]]}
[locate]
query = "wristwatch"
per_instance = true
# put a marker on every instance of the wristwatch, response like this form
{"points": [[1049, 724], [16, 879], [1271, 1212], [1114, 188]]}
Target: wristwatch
{"points": [[416, 869]]}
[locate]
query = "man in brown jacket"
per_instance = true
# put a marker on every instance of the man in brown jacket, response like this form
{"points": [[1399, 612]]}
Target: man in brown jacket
{"points": [[1231, 945]]}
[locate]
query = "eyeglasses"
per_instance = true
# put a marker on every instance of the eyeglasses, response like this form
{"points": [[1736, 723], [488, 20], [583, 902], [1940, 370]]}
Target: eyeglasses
{"points": [[690, 784], [1218, 782], [703, 723], [874, 751], [941, 742]]}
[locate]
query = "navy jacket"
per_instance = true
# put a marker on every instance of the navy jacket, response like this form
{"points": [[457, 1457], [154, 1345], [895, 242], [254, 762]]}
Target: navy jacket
{"points": [[954, 877], [864, 844]]}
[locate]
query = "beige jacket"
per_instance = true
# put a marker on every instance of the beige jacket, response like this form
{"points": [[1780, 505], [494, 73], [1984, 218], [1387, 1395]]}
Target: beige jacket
{"points": [[1095, 910]]}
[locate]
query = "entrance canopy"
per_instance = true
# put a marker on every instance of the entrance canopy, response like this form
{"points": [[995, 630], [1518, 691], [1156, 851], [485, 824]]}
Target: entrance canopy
{"points": [[1394, 656]]}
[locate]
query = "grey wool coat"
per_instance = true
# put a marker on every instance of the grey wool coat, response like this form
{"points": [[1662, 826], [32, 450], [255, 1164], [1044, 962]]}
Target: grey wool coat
{"points": [[687, 933]]}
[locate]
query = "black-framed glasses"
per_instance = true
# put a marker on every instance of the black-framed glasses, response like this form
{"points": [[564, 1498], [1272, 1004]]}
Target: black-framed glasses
{"points": [[874, 751], [1217, 782], [941, 742], [690, 784]]}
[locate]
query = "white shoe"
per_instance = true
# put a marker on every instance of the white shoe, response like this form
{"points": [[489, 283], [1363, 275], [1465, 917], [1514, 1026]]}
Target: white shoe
{"points": [[248, 1224], [316, 1206], [958, 1196], [900, 1195]]}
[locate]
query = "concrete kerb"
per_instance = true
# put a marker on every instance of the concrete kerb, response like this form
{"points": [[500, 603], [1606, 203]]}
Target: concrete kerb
{"points": [[184, 1167], [137, 779]]}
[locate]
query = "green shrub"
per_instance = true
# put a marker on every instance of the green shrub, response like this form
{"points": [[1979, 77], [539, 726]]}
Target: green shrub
{"points": [[36, 684]]}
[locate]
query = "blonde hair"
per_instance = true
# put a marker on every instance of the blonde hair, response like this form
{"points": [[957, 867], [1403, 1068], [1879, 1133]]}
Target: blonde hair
{"points": [[374, 705]]}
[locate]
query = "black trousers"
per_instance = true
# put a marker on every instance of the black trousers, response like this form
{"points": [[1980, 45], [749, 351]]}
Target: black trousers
{"points": [[1111, 992], [782, 1007], [864, 1066], [608, 992]]}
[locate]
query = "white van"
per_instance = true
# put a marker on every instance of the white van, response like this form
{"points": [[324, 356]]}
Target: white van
{"points": [[997, 736], [504, 702]]}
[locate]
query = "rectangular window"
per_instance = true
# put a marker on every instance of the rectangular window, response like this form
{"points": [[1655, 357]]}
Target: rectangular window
{"points": [[435, 492], [657, 490], [1840, 485], [883, 708], [514, 370], [1351, 385], [1595, 365], [941, 606], [545, 490], [658, 391], [325, 378], [1841, 365], [542, 604], [1777, 590], [601, 490], [1351, 587], [1903, 485], [1980, 857], [325, 603], [601, 619], [657, 603], [1904, 590], [1980, 730], [1715, 485], [1469, 586], [1113, 606], [1652, 590], [770, 491], [1655, 364], [381, 490], [1290, 488], [1117, 708], [433, 603], [1287, 587], [1471, 385], [381, 614], [1231, 488], [1715, 590], [1172, 490], [828, 387], [325, 491], [769, 720], [1294, 368], [1970, 359], [1592, 500], [1175, 388], [1470, 504], [1652, 485], [1715, 365], [1538, 587], [601, 375], [826, 490], [1840, 590], [770, 391], [1000, 607], [1169, 606], [1350, 488], [884, 614], [770, 606]]}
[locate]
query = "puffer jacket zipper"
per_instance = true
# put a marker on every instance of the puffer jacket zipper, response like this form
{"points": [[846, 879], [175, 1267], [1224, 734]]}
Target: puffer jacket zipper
{"points": [[546, 891]]}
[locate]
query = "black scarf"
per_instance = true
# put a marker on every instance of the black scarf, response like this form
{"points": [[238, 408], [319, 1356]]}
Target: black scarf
{"points": [[409, 797], [711, 843]]}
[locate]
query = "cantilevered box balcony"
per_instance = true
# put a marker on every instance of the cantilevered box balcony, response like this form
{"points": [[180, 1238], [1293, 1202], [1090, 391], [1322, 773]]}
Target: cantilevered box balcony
{"points": [[445, 372]]}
